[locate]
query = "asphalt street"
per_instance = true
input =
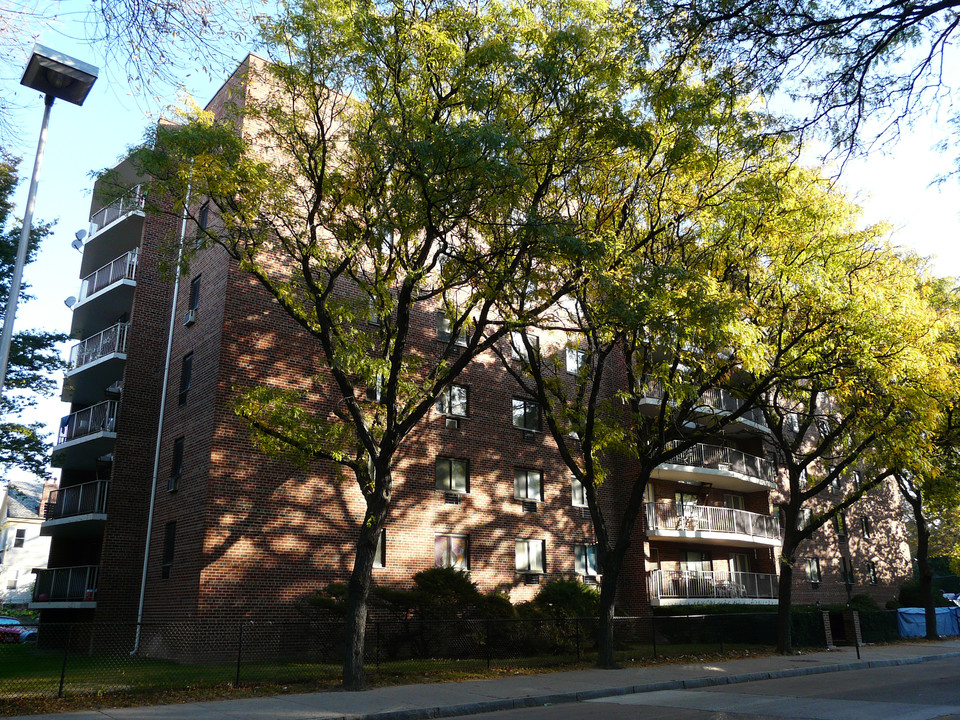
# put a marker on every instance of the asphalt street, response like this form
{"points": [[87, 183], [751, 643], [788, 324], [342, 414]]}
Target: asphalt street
{"points": [[927, 691]]}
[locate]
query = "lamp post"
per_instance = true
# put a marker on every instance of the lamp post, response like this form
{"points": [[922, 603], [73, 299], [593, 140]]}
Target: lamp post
{"points": [[57, 76]]}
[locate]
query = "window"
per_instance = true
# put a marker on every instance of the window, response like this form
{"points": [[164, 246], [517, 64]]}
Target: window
{"points": [[445, 330], [530, 556], [813, 569], [686, 504], [792, 423], [806, 517], [20, 537], [186, 370], [840, 525], [169, 542], [834, 486], [203, 216], [373, 315], [823, 427], [528, 484], [453, 401], [585, 560], [194, 302], [872, 572], [452, 475], [866, 527], [575, 360], [802, 480], [739, 563], [526, 414], [733, 502], [452, 551], [695, 561], [857, 481], [176, 466], [375, 389], [380, 559], [846, 570], [579, 493], [519, 349]]}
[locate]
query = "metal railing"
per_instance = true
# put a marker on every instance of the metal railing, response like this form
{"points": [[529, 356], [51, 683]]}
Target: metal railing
{"points": [[111, 340], [724, 458], [83, 499], [124, 205], [714, 398], [123, 268], [670, 516], [101, 417], [694, 584], [68, 584]]}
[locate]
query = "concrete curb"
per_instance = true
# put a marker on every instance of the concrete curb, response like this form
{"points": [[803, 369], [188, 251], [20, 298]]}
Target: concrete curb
{"points": [[691, 684]]}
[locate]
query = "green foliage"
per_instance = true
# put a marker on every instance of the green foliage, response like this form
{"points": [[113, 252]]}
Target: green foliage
{"points": [[567, 598], [34, 355], [910, 596]]}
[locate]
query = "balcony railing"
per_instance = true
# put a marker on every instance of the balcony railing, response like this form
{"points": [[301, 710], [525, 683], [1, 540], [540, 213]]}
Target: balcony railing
{"points": [[123, 268], [704, 518], [84, 499], [76, 584], [714, 398], [724, 458], [124, 205], [96, 418], [111, 340], [700, 584]]}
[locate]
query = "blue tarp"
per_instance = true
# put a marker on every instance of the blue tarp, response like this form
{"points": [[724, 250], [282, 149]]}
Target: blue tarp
{"points": [[911, 623]]}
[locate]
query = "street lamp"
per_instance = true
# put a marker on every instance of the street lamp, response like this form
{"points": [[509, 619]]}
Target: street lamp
{"points": [[57, 76]]}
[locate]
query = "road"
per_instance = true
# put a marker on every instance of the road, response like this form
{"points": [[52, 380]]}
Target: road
{"points": [[925, 691]]}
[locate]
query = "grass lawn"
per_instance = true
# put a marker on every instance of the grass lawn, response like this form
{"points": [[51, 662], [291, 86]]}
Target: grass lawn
{"points": [[30, 677]]}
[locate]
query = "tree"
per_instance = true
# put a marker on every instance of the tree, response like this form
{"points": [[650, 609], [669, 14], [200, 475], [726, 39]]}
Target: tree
{"points": [[847, 322], [854, 64], [398, 165], [658, 314], [34, 355]]}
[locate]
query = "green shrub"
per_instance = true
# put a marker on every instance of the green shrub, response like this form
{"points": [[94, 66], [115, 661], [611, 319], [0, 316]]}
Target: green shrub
{"points": [[910, 595], [568, 598]]}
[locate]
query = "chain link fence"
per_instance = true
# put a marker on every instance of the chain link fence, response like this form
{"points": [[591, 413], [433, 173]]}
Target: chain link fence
{"points": [[101, 659]]}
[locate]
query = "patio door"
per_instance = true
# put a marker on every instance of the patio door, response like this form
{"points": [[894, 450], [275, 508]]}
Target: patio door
{"points": [[686, 504]]}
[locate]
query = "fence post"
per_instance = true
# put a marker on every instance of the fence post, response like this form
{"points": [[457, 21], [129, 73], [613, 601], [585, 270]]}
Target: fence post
{"points": [[63, 667], [377, 625], [653, 634], [577, 621], [488, 623], [239, 652]]}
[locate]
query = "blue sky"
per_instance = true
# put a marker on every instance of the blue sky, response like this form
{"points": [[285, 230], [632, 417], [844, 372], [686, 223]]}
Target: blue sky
{"points": [[892, 186]]}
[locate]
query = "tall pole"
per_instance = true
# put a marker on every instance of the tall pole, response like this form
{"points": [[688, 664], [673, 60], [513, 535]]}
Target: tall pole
{"points": [[7, 336]]}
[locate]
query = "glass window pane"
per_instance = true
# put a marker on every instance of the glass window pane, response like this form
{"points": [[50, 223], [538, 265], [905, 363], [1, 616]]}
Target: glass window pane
{"points": [[521, 555], [579, 559], [458, 480], [443, 474], [533, 485]]}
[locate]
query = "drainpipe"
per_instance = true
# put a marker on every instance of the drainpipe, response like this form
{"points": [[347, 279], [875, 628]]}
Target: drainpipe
{"points": [[163, 405]]}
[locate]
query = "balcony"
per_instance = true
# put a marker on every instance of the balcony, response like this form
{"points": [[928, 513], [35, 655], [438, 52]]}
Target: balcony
{"points": [[86, 435], [68, 587], [721, 467], [94, 364], [677, 587], [131, 201], [106, 293], [714, 402], [711, 525], [76, 510]]}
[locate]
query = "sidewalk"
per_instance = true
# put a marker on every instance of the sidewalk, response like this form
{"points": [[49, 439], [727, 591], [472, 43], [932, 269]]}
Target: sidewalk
{"points": [[416, 702]]}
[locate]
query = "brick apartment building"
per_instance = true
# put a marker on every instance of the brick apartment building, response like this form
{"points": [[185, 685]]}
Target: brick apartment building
{"points": [[153, 458]]}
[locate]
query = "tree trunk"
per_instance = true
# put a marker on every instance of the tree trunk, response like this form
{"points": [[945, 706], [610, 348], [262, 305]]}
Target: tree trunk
{"points": [[925, 576], [357, 592], [608, 595], [784, 600]]}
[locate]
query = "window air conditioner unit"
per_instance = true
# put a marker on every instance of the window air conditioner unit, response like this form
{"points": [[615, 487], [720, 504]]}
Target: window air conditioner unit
{"points": [[585, 513], [528, 506], [452, 423], [529, 436], [531, 579], [172, 483], [190, 318], [451, 498]]}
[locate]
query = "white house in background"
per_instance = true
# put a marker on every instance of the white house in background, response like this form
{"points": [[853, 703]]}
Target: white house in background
{"points": [[21, 547]]}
